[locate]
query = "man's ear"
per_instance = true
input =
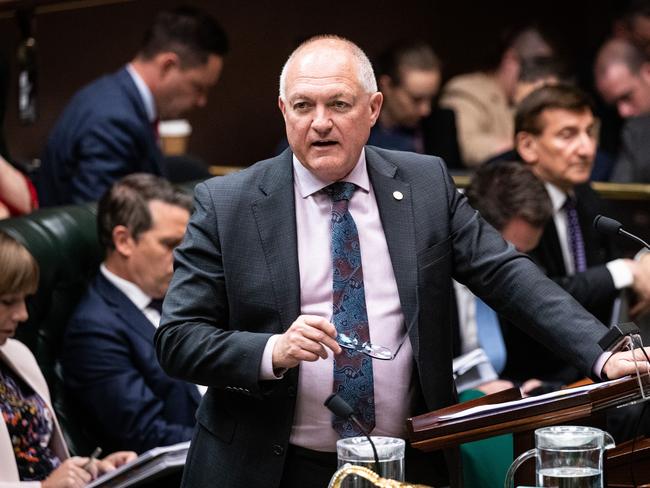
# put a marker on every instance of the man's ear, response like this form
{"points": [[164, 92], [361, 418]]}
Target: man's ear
{"points": [[644, 72], [526, 145], [122, 240], [166, 62], [283, 107], [376, 101]]}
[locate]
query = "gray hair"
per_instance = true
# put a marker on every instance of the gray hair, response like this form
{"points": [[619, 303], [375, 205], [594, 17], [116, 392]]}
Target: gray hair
{"points": [[366, 74]]}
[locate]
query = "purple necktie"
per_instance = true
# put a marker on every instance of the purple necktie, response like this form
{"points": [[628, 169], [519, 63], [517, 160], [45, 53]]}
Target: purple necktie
{"points": [[352, 369], [576, 242]]}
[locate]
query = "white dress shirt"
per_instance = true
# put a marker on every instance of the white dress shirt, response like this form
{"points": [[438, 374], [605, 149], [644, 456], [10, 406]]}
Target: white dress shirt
{"points": [[145, 93], [620, 272]]}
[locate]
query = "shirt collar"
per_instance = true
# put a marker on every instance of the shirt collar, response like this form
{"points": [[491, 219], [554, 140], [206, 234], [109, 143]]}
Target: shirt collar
{"points": [[308, 183], [145, 93], [133, 292], [558, 197]]}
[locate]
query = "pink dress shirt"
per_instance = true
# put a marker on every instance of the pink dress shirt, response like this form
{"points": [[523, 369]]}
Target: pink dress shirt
{"points": [[312, 426]]}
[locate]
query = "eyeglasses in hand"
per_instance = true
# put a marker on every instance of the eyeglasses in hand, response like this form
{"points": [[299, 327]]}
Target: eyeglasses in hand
{"points": [[375, 351]]}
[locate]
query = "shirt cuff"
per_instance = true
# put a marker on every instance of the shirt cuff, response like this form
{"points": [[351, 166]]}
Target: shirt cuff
{"points": [[621, 273], [600, 363], [266, 366]]}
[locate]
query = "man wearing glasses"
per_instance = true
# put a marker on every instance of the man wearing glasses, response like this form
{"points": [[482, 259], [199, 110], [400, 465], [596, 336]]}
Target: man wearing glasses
{"points": [[333, 237]]}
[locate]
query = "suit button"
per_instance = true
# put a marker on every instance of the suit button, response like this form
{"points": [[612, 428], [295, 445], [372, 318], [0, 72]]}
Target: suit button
{"points": [[278, 450], [291, 391]]}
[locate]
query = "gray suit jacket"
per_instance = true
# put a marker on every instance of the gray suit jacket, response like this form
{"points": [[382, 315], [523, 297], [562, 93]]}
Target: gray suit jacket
{"points": [[236, 283]]}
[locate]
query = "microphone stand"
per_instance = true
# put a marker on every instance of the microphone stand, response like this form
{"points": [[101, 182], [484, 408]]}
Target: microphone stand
{"points": [[342, 409]]}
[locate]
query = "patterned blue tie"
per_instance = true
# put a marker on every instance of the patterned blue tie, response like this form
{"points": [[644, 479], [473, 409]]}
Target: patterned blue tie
{"points": [[576, 241], [352, 370], [490, 337]]}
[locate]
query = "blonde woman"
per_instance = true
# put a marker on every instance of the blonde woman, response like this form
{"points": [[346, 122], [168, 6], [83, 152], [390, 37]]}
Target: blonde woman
{"points": [[32, 448]]}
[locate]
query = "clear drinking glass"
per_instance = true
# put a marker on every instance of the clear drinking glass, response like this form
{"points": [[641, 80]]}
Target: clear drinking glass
{"points": [[357, 451], [567, 456]]}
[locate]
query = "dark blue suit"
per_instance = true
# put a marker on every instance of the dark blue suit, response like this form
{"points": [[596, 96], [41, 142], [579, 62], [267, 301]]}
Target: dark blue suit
{"points": [[102, 135], [112, 374]]}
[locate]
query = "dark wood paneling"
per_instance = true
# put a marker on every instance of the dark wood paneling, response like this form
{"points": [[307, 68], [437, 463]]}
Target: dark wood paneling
{"points": [[241, 123]]}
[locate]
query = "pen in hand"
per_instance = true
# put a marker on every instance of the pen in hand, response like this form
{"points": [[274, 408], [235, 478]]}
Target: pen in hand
{"points": [[94, 455]]}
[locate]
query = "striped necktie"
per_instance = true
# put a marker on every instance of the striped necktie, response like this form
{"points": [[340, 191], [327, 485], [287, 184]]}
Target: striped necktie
{"points": [[576, 242]]}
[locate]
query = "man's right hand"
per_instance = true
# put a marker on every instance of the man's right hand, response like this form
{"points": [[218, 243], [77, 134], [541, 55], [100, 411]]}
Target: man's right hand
{"points": [[308, 339]]}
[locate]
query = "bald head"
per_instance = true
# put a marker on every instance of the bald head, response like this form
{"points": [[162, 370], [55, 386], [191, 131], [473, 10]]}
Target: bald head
{"points": [[329, 101], [328, 46], [622, 74]]}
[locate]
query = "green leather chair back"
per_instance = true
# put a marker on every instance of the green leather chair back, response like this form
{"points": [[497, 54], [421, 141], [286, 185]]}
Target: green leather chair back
{"points": [[63, 240]]}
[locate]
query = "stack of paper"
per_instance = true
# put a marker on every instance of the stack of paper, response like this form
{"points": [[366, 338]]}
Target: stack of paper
{"points": [[157, 462]]}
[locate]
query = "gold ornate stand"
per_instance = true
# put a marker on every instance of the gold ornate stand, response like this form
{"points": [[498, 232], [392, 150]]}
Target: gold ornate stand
{"points": [[369, 475]]}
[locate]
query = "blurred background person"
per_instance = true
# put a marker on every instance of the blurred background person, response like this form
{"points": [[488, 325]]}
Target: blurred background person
{"points": [[32, 447], [483, 100], [520, 215], [109, 128], [634, 24], [408, 74], [622, 74], [17, 194]]}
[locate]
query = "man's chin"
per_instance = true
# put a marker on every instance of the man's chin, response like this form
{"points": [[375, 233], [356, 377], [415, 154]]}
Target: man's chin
{"points": [[581, 177]]}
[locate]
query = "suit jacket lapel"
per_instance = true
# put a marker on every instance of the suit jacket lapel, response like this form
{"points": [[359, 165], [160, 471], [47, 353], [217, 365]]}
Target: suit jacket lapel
{"points": [[399, 229], [131, 92], [275, 216], [125, 309]]}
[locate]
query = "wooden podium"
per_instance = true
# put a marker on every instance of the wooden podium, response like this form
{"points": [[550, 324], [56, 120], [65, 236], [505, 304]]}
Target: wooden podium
{"points": [[508, 413]]}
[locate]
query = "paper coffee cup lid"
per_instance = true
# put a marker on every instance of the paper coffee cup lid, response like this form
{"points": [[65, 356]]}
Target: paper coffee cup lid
{"points": [[177, 127]]}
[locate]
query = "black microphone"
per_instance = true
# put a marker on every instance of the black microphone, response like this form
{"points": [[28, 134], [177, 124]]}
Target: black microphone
{"points": [[342, 409], [613, 227]]}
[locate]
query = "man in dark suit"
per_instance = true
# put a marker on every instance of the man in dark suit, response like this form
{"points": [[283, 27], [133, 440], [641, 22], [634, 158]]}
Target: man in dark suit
{"points": [[332, 238], [109, 362], [622, 75], [556, 136], [109, 129], [408, 76]]}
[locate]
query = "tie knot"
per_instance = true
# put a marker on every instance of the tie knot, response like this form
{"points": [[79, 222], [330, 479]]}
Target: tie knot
{"points": [[569, 203], [341, 190], [156, 304]]}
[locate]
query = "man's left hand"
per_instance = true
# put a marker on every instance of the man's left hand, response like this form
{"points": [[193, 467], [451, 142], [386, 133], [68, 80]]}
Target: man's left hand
{"points": [[621, 363]]}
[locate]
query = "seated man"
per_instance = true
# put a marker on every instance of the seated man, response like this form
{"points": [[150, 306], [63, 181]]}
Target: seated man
{"points": [[109, 362], [519, 214], [555, 136], [622, 73], [408, 75], [109, 128]]}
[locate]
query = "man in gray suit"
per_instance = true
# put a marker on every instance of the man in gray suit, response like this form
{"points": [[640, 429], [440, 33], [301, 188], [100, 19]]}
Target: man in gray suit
{"points": [[264, 289]]}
